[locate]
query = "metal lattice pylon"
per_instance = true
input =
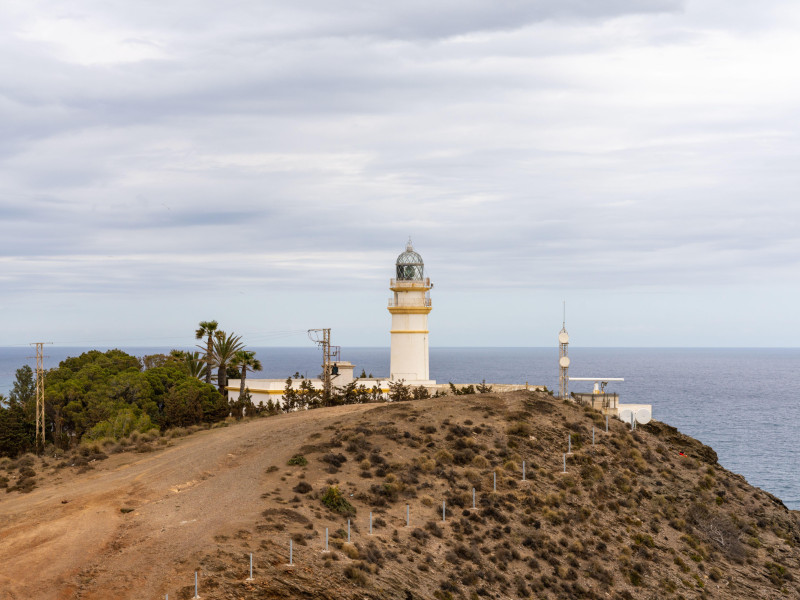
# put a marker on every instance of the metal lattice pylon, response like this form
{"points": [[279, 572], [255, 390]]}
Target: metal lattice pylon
{"points": [[40, 437]]}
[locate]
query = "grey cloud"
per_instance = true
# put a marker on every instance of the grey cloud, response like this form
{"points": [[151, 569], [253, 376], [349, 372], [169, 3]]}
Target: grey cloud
{"points": [[541, 154]]}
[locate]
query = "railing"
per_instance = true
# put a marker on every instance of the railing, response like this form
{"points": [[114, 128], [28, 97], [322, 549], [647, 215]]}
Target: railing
{"points": [[416, 303], [421, 283]]}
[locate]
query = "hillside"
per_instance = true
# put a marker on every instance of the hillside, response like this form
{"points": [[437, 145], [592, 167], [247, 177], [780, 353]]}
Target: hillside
{"points": [[648, 514]]}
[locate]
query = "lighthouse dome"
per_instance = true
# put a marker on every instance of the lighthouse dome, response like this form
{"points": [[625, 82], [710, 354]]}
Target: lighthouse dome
{"points": [[409, 265]]}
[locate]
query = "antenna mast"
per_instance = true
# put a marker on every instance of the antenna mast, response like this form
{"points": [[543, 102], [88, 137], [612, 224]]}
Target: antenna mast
{"points": [[563, 359]]}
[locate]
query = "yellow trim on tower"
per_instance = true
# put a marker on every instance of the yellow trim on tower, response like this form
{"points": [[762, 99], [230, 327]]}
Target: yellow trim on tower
{"points": [[409, 331], [409, 310]]}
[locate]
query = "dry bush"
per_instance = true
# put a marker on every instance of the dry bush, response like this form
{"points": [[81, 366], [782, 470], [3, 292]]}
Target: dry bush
{"points": [[24, 485], [334, 461], [25, 472], [350, 551], [356, 575], [302, 487], [26, 460], [520, 429], [443, 457], [480, 462]]}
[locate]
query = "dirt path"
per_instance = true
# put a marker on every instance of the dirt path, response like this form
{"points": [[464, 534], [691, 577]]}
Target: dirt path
{"points": [[70, 539]]}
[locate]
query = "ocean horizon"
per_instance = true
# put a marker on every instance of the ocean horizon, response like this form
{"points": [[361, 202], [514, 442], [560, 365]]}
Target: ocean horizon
{"points": [[739, 401]]}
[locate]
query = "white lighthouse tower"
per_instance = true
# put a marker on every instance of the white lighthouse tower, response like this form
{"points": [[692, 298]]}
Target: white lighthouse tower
{"points": [[410, 306]]}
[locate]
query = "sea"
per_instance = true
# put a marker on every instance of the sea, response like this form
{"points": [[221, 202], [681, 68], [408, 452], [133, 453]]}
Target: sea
{"points": [[743, 402]]}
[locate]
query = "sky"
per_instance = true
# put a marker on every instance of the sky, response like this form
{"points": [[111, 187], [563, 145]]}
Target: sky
{"points": [[263, 163]]}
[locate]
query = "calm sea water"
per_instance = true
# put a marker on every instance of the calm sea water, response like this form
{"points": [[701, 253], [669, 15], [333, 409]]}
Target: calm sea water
{"points": [[741, 402]]}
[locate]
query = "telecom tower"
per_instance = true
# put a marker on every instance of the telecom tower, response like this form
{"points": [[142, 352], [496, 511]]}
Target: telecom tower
{"points": [[563, 359], [410, 306]]}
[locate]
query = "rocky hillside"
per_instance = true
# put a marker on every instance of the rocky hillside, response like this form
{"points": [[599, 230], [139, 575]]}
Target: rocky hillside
{"points": [[648, 514], [644, 514]]}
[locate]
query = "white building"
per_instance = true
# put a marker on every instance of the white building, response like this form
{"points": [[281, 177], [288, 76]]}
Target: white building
{"points": [[410, 307]]}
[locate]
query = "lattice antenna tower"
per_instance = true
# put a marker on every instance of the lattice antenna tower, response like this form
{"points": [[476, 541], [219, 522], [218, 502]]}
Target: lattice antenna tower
{"points": [[322, 337], [40, 437], [563, 358]]}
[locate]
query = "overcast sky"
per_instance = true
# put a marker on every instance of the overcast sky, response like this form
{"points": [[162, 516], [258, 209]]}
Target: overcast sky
{"points": [[263, 163]]}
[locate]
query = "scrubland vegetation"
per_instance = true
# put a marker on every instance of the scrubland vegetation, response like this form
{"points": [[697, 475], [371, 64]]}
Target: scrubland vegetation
{"points": [[644, 514]]}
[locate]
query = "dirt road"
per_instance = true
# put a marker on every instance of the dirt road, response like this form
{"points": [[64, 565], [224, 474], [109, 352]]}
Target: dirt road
{"points": [[70, 539]]}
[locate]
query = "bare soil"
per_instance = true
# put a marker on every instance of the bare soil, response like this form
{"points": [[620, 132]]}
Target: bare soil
{"points": [[646, 514], [70, 539]]}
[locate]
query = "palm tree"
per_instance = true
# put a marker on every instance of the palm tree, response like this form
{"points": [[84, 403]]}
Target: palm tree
{"points": [[224, 349], [193, 361], [245, 359], [207, 328]]}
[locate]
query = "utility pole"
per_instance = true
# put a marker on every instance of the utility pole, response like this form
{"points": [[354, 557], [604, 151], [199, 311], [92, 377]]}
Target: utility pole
{"points": [[322, 337], [39, 394]]}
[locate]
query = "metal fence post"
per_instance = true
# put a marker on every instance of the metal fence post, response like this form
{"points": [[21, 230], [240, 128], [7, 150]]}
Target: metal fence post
{"points": [[291, 549], [473, 497], [195, 585], [408, 515], [494, 485], [523, 470], [348, 531], [251, 568], [443, 511], [370, 522], [326, 539], [606, 423]]}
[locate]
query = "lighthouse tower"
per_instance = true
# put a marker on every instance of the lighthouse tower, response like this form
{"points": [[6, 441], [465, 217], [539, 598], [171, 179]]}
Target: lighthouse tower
{"points": [[410, 306]]}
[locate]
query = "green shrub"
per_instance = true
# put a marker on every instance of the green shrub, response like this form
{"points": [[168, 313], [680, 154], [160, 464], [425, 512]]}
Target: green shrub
{"points": [[335, 500], [299, 460]]}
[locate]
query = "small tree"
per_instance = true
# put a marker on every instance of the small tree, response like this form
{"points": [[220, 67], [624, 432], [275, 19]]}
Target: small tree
{"points": [[483, 388], [421, 392], [348, 394], [309, 397], [290, 396], [376, 393], [15, 436], [398, 391]]}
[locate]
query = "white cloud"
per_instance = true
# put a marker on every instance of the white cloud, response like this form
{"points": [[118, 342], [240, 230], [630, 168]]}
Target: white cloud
{"points": [[534, 148]]}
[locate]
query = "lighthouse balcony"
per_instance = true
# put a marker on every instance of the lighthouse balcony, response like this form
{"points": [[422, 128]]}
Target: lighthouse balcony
{"points": [[410, 284], [410, 302]]}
